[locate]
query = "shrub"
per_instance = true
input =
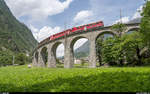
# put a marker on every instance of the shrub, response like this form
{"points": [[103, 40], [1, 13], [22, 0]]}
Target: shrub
{"points": [[5, 58], [21, 59]]}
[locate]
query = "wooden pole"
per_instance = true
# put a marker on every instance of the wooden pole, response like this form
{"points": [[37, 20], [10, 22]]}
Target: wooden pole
{"points": [[120, 16], [13, 61]]}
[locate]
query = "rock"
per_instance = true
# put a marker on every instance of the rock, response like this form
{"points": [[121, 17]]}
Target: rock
{"points": [[29, 66]]}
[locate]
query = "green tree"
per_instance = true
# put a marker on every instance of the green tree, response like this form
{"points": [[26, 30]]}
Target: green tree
{"points": [[58, 61], [99, 45], [145, 24], [83, 62], [5, 58], [127, 48], [107, 51], [119, 28], [132, 45], [21, 59]]}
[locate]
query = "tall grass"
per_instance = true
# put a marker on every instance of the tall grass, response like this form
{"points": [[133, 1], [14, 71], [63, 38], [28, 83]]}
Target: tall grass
{"points": [[23, 79]]}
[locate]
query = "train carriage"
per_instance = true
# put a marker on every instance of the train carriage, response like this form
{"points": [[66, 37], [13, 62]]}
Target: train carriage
{"points": [[76, 29]]}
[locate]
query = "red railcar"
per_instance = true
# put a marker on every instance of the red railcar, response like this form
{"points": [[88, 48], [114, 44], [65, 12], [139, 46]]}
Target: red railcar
{"points": [[76, 29]]}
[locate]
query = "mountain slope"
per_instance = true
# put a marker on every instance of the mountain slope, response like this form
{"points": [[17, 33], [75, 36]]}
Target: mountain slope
{"points": [[82, 51], [137, 20], [14, 35]]}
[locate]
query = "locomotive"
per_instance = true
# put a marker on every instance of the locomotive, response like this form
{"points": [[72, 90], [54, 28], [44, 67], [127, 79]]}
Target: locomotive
{"points": [[77, 29]]}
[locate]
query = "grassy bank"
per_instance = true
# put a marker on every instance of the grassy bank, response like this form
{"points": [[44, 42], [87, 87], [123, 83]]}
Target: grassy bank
{"points": [[23, 79]]}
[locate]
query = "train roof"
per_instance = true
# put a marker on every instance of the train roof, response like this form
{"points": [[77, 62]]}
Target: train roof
{"points": [[78, 26], [91, 23]]}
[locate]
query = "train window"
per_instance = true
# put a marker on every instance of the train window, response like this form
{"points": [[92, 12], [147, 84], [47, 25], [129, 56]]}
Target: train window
{"points": [[90, 24], [81, 26], [93, 23], [97, 22]]}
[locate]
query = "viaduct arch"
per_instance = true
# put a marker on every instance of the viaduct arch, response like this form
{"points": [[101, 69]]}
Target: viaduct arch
{"points": [[69, 42]]}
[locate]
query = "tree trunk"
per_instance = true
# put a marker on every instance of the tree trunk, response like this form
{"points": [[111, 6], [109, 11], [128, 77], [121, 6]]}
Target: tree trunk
{"points": [[121, 62], [139, 62], [100, 60]]}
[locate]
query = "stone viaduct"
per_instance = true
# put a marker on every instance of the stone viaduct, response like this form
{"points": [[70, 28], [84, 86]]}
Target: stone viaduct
{"points": [[68, 42]]}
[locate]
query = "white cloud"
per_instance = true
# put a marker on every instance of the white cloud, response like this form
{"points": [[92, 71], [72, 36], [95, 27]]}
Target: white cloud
{"points": [[44, 32], [34, 32], [138, 13], [123, 20], [37, 9], [60, 50], [79, 43], [83, 16]]}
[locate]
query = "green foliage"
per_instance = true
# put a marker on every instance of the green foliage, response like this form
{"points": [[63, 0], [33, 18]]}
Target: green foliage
{"points": [[15, 38], [24, 79], [132, 45], [118, 50], [58, 62], [108, 53], [83, 62], [119, 28], [145, 24], [125, 49], [99, 45], [21, 59], [6, 58]]}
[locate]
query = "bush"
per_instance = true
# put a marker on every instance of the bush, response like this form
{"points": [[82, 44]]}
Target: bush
{"points": [[58, 62], [146, 61], [21, 59], [5, 58], [83, 62]]}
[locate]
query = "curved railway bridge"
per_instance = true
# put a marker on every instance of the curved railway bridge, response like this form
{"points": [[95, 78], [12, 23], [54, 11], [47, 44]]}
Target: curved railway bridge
{"points": [[68, 42]]}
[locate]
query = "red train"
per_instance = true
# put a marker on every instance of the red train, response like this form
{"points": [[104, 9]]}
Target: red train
{"points": [[76, 29]]}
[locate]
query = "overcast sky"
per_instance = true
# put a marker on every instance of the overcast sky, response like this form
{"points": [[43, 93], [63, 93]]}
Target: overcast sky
{"points": [[47, 17]]}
